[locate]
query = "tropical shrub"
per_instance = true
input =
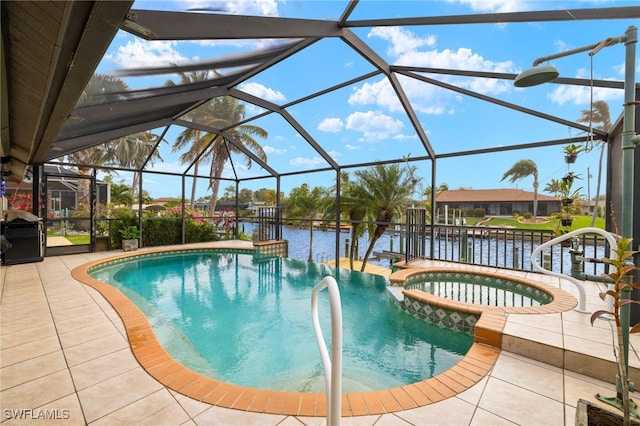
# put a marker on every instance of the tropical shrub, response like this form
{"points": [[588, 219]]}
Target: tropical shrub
{"points": [[478, 212]]}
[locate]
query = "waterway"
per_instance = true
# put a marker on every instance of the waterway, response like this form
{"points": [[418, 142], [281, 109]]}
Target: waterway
{"points": [[490, 252]]}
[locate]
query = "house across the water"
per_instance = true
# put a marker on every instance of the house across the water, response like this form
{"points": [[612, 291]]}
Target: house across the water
{"points": [[496, 202]]}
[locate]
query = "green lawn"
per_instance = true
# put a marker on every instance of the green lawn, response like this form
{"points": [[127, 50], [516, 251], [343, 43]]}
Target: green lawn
{"points": [[74, 239], [78, 239], [579, 221]]}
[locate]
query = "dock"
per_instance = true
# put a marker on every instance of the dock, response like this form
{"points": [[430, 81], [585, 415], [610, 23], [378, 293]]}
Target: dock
{"points": [[357, 264]]}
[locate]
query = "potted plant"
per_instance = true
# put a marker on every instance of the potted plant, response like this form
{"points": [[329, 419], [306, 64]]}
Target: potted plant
{"points": [[103, 239], [570, 177], [571, 152], [620, 292], [568, 195], [130, 235], [560, 228]]}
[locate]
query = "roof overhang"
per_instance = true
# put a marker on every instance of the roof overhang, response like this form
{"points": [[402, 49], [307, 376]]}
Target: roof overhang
{"points": [[49, 52]]}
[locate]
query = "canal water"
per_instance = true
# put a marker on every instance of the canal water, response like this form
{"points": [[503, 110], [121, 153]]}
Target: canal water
{"points": [[495, 252]]}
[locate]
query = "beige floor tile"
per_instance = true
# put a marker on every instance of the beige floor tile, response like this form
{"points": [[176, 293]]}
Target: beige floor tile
{"points": [[38, 392], [223, 416], [191, 406], [103, 368], [484, 418], [15, 308], [454, 410], [67, 411], [588, 332], [534, 377], [159, 408], [29, 350], [26, 323], [312, 421], [31, 369], [527, 408], [116, 393], [531, 349], [569, 415], [71, 305], [473, 394], [385, 420], [92, 331], [590, 347], [527, 331], [72, 324], [575, 387], [95, 348], [548, 322], [25, 336], [170, 415]]}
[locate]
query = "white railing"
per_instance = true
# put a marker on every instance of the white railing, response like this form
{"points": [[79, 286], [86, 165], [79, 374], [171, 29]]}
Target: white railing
{"points": [[332, 366], [582, 302]]}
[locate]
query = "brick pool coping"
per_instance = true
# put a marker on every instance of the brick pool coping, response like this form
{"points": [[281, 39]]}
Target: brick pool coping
{"points": [[478, 361]]}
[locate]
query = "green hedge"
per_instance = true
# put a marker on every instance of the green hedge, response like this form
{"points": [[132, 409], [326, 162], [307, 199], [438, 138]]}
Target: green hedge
{"points": [[164, 231]]}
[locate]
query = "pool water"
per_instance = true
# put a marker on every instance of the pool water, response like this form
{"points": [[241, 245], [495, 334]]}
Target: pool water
{"points": [[245, 318], [478, 289]]}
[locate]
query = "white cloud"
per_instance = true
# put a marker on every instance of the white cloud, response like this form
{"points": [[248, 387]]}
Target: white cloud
{"points": [[271, 150], [352, 147], [427, 98], [141, 54], [234, 7], [377, 93], [306, 162], [374, 125], [401, 40], [261, 91], [579, 95], [497, 6], [332, 125], [335, 154]]}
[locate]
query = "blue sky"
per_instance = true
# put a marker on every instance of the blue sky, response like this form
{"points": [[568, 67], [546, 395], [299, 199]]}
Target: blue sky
{"points": [[365, 122]]}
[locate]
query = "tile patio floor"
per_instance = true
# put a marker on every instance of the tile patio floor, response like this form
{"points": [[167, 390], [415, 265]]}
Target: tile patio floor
{"points": [[64, 353]]}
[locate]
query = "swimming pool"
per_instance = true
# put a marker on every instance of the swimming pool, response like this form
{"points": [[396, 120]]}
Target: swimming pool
{"points": [[243, 318]]}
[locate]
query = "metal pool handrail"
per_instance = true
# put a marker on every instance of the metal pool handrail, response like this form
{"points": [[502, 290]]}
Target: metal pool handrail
{"points": [[332, 366], [534, 255]]}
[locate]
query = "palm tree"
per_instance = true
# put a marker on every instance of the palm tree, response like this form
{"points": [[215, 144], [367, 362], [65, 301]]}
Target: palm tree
{"points": [[598, 114], [427, 192], [128, 151], [553, 187], [303, 203], [189, 135], [351, 208], [520, 170], [383, 190], [219, 113], [134, 151], [99, 85], [226, 111]]}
